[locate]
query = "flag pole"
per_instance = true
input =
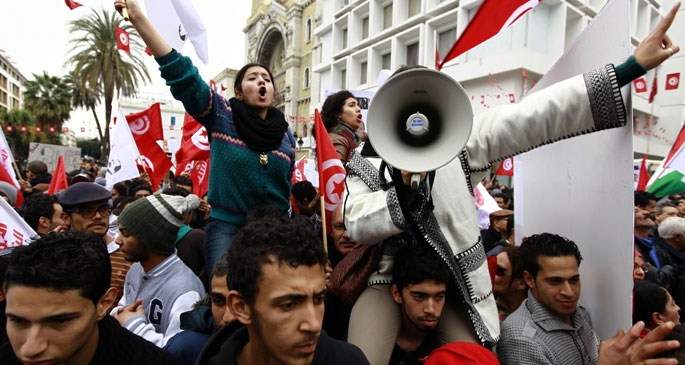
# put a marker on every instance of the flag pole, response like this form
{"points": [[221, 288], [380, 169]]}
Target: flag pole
{"points": [[124, 13], [16, 170], [323, 224]]}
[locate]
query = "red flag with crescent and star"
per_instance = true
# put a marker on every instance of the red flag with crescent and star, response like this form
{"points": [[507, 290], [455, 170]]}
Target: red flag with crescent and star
{"points": [[640, 85], [194, 155], [506, 168], [148, 121], [331, 170], [122, 39]]}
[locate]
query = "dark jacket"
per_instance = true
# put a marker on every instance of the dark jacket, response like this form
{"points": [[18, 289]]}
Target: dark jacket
{"points": [[198, 326], [670, 257], [225, 345], [490, 238], [116, 346]]}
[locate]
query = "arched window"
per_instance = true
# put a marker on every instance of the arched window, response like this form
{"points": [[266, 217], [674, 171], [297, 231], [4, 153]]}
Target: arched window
{"points": [[306, 78], [308, 30]]}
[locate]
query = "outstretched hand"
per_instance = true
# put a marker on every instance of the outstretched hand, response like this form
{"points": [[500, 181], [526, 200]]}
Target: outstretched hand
{"points": [[628, 348], [657, 46]]}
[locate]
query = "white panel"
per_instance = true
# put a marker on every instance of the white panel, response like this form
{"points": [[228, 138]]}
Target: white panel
{"points": [[582, 188]]}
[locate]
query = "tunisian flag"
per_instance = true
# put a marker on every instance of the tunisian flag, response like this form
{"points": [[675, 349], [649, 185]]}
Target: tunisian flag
{"points": [[148, 121], [492, 17], [194, 155], [122, 39], [155, 161], [72, 4], [331, 170], [506, 168], [640, 85], [59, 178], [298, 174]]}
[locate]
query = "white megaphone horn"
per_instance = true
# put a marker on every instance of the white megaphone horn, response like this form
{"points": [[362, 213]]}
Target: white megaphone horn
{"points": [[419, 120]]}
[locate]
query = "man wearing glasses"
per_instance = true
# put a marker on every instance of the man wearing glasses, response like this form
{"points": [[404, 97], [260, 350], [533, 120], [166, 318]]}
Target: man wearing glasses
{"points": [[86, 208]]}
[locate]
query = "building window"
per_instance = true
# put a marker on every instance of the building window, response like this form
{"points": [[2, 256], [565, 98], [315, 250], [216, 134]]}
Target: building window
{"points": [[364, 70], [445, 41], [365, 28], [308, 30], [387, 16], [412, 54], [344, 38], [306, 77], [343, 79], [385, 62], [414, 8]]}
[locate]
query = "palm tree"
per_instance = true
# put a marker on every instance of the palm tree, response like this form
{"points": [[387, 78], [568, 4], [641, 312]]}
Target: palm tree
{"points": [[48, 99], [84, 97], [99, 69]]}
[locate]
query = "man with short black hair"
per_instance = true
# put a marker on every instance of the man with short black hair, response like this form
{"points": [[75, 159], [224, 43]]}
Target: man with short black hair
{"points": [[276, 291], [43, 213], [419, 286], [306, 200], [58, 315], [141, 191], [549, 327]]}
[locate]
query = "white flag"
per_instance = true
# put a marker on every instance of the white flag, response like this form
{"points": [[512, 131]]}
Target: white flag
{"points": [[14, 231], [123, 153], [6, 159], [176, 21], [485, 204]]}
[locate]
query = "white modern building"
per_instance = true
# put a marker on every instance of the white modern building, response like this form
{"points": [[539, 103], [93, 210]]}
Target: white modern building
{"points": [[359, 38], [11, 84]]}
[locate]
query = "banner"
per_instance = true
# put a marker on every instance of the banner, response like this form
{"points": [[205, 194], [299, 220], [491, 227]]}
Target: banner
{"points": [[14, 231]]}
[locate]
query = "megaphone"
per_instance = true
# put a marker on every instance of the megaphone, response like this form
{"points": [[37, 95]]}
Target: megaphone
{"points": [[419, 120]]}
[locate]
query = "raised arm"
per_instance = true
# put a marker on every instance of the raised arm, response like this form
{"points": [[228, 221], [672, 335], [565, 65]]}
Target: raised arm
{"points": [[155, 43], [657, 46]]}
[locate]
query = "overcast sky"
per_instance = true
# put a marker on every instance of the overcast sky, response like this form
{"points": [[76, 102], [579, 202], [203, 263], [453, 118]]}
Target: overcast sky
{"points": [[34, 35]]}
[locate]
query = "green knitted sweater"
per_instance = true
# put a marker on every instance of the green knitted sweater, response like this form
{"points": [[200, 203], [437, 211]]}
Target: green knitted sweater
{"points": [[237, 180]]}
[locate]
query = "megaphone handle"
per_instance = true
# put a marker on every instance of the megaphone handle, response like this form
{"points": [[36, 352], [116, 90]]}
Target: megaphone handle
{"points": [[415, 181]]}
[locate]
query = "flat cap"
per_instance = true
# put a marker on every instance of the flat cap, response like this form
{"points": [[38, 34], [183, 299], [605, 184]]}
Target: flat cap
{"points": [[501, 213], [83, 193]]}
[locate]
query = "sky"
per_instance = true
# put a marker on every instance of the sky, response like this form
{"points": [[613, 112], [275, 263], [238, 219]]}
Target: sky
{"points": [[34, 34]]}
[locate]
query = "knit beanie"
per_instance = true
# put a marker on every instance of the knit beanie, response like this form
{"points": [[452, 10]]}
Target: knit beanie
{"points": [[155, 220], [10, 192]]}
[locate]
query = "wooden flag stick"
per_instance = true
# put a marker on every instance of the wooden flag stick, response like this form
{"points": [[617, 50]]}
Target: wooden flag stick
{"points": [[16, 170], [124, 13], [323, 224]]}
